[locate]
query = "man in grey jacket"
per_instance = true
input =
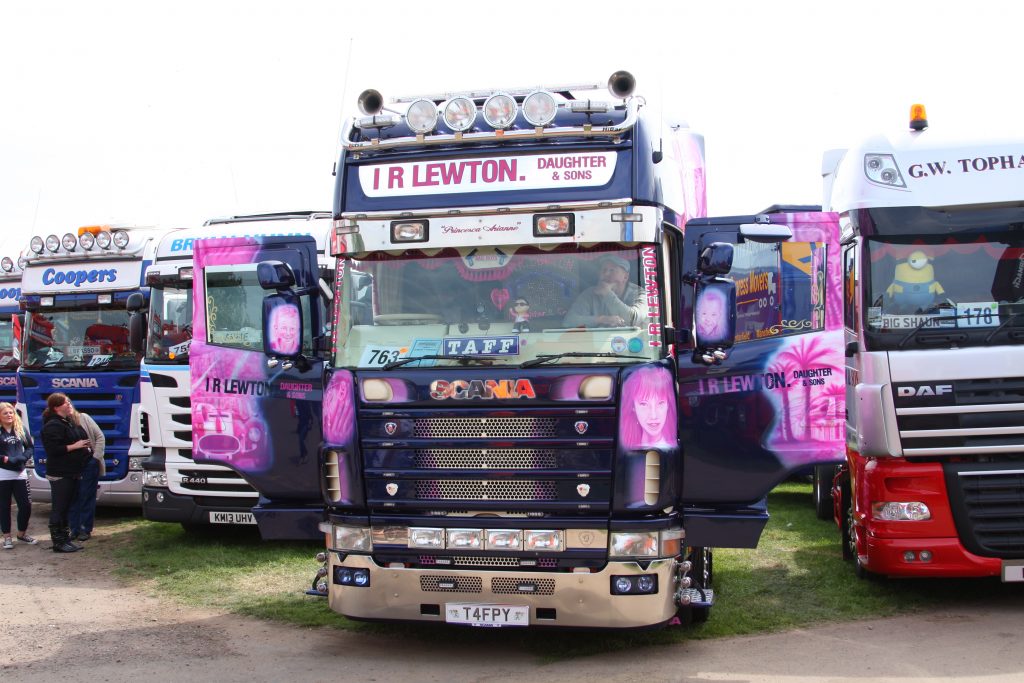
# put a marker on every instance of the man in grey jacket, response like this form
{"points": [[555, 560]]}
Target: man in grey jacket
{"points": [[613, 302], [82, 513]]}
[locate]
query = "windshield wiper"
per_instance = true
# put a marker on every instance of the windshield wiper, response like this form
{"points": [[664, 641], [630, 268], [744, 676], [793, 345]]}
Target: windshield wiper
{"points": [[464, 359], [545, 358], [1002, 326], [929, 321]]}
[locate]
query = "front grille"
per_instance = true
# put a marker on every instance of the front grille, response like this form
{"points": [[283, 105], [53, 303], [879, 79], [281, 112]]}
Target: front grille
{"points": [[487, 489], [484, 458], [470, 561], [988, 507], [504, 586], [984, 416], [451, 584], [483, 427]]}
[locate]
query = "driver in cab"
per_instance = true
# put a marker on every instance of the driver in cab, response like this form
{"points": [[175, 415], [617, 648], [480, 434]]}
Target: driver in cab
{"points": [[613, 302]]}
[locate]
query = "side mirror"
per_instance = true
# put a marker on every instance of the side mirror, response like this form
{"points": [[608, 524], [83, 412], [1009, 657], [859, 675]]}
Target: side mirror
{"points": [[136, 329], [136, 302], [716, 259], [275, 275], [282, 325], [714, 319]]}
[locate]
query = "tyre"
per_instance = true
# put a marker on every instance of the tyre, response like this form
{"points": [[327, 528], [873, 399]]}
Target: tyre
{"points": [[822, 490]]}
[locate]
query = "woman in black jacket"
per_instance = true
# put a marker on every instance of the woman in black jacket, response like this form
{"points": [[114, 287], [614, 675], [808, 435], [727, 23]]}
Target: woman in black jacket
{"points": [[67, 453], [15, 446]]}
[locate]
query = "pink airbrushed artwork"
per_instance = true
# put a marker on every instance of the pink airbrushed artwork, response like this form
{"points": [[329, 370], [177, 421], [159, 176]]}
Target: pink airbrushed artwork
{"points": [[648, 409], [284, 330]]}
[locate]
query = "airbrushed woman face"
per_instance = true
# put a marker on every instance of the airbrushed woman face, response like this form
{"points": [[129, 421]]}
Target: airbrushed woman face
{"points": [[651, 412]]}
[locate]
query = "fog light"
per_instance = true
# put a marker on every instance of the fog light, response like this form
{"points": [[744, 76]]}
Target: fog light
{"points": [[925, 555], [361, 577], [343, 576], [623, 584], [159, 497], [908, 556], [553, 225], [646, 583]]}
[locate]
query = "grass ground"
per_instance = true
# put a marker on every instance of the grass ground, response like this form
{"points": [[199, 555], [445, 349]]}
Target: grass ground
{"points": [[796, 577]]}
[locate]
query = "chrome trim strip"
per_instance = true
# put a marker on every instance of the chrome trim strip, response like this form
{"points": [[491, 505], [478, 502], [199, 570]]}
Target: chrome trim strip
{"points": [[988, 472], [966, 450], [496, 211], [983, 431], [943, 410]]}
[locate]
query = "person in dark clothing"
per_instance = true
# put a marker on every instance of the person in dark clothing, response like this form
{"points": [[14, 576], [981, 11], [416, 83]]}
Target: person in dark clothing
{"points": [[67, 453], [15, 447]]}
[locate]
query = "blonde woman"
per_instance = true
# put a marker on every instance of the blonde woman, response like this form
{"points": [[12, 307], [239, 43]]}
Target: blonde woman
{"points": [[15, 449], [82, 513]]}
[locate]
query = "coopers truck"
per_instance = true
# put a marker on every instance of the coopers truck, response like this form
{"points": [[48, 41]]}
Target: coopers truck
{"points": [[933, 258], [544, 402], [74, 290], [10, 328], [177, 487]]}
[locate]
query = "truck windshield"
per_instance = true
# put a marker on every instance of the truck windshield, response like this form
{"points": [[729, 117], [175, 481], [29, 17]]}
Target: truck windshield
{"points": [[500, 306], [7, 359], [967, 289], [78, 338], [170, 323]]}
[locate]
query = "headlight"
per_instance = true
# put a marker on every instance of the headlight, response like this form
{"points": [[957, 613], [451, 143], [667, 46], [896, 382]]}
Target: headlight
{"points": [[901, 512], [426, 537], [633, 544], [465, 539], [542, 540], [154, 478], [351, 538]]}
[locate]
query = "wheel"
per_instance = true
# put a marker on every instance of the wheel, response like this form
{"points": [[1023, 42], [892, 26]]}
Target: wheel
{"points": [[702, 575], [848, 532], [821, 489]]}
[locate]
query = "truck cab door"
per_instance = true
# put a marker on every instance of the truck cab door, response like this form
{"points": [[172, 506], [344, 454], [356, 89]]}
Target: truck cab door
{"points": [[259, 418], [769, 399]]}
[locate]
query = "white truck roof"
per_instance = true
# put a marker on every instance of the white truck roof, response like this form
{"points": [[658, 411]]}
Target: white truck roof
{"points": [[178, 245], [933, 168]]}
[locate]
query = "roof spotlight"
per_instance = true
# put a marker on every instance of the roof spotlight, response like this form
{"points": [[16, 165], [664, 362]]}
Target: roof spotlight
{"points": [[87, 240], [120, 239], [36, 244], [52, 243], [69, 241], [459, 113], [500, 110], [539, 108], [421, 116], [103, 239], [7, 264]]}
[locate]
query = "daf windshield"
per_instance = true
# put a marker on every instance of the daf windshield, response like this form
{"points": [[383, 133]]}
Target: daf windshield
{"points": [[170, 323], [499, 306], [967, 289], [78, 338]]}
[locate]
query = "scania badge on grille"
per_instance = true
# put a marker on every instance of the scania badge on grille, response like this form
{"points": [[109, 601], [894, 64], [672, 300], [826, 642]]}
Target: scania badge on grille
{"points": [[581, 427], [391, 488], [583, 489], [390, 427]]}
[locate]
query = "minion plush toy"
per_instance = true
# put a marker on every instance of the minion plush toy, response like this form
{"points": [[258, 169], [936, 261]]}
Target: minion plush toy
{"points": [[914, 286]]}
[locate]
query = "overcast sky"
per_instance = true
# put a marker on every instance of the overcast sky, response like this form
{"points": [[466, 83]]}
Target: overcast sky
{"points": [[172, 113]]}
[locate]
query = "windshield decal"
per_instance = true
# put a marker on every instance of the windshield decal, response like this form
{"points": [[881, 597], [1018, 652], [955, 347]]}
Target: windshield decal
{"points": [[506, 345]]}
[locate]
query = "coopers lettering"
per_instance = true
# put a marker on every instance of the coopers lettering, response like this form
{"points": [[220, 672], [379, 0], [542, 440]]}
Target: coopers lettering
{"points": [[461, 389], [74, 383], [52, 276]]}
